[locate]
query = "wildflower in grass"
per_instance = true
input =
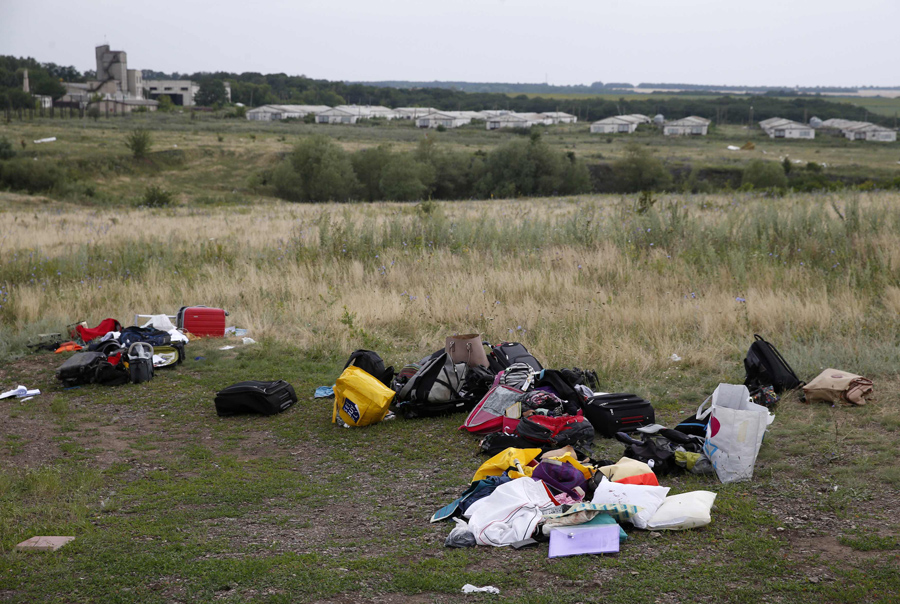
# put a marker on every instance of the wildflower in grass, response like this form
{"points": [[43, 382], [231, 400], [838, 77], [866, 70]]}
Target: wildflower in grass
{"points": [[739, 299]]}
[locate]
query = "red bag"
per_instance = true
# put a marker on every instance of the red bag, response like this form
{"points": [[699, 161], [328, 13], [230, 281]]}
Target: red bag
{"points": [[557, 431], [106, 326]]}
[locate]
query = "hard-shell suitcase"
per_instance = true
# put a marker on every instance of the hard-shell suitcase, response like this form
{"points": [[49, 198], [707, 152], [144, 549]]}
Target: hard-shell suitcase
{"points": [[611, 413], [267, 398], [80, 368], [202, 321]]}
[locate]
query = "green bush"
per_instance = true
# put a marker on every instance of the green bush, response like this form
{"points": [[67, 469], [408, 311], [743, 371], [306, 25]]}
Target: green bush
{"points": [[25, 174], [156, 197], [640, 171], [369, 164], [165, 103], [318, 169], [531, 168], [405, 179], [139, 142], [761, 174], [7, 151]]}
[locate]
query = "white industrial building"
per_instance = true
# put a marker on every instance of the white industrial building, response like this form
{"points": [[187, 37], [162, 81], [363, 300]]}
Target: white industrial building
{"points": [[777, 127], [689, 126], [368, 111], [860, 131], [446, 119], [508, 120], [870, 132], [273, 113], [625, 124], [336, 115], [559, 117], [412, 113], [537, 119]]}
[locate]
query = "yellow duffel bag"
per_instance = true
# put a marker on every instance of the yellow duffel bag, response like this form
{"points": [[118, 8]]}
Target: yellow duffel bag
{"points": [[360, 399]]}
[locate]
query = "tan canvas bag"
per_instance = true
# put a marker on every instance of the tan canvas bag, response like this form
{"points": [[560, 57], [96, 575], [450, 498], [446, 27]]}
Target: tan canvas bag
{"points": [[836, 386], [467, 348]]}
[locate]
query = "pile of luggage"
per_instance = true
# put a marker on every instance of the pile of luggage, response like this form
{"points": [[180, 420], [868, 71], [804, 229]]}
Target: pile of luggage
{"points": [[110, 354]]}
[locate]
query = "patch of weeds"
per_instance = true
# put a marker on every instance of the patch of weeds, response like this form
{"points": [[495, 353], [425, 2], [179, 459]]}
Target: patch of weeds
{"points": [[156, 197], [867, 541], [14, 444]]}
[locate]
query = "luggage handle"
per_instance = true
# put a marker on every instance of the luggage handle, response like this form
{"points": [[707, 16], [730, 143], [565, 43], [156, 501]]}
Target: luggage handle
{"points": [[700, 408]]}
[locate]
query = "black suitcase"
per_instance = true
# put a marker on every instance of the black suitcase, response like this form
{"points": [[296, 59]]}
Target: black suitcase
{"points": [[507, 353], [80, 368], [267, 398], [611, 413]]}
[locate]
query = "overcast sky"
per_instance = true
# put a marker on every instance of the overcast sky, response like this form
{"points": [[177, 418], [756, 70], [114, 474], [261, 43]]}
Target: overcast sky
{"points": [[764, 42]]}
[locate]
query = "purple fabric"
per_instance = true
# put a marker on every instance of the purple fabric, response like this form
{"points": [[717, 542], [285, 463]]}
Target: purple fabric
{"points": [[563, 477]]}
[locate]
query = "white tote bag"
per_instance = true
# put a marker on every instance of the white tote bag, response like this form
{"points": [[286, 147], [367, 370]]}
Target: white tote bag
{"points": [[735, 432]]}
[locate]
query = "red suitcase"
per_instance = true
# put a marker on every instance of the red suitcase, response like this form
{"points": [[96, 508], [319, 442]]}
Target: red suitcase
{"points": [[202, 321]]}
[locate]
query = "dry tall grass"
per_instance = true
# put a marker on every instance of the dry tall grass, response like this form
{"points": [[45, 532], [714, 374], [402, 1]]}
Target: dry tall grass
{"points": [[581, 281]]}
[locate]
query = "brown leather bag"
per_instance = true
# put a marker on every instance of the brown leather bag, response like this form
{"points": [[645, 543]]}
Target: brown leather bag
{"points": [[836, 386], [467, 348]]}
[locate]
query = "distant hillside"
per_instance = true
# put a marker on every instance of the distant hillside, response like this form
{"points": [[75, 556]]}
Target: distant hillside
{"points": [[601, 87]]}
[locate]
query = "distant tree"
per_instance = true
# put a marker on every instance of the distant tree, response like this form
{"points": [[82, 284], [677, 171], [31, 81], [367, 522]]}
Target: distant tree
{"points": [[369, 164], [165, 103], [318, 169], [786, 165], [139, 142], [761, 174], [212, 92], [7, 151], [405, 179], [640, 171]]}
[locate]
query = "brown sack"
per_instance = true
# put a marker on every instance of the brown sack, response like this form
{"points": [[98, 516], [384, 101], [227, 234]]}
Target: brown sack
{"points": [[836, 386], [467, 348]]}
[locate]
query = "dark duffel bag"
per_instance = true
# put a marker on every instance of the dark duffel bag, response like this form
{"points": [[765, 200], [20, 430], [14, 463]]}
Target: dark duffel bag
{"points": [[267, 398], [611, 413], [150, 335], [80, 368], [510, 353], [559, 431]]}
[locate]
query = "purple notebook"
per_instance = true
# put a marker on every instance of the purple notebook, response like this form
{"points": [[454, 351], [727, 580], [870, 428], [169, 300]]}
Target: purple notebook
{"points": [[575, 540]]}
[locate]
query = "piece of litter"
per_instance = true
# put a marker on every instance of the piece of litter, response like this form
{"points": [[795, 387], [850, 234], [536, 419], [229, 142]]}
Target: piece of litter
{"points": [[249, 341], [733, 148], [240, 332], [43, 544], [488, 589], [674, 357], [45, 140], [20, 392], [324, 392], [229, 331], [199, 358], [226, 347]]}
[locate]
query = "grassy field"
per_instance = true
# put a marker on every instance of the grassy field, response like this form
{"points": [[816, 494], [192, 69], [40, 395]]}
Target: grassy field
{"points": [[170, 503], [210, 159]]}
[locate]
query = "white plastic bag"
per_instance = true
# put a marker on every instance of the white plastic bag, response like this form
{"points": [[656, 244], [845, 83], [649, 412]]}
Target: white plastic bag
{"points": [[648, 498], [735, 432], [685, 511]]}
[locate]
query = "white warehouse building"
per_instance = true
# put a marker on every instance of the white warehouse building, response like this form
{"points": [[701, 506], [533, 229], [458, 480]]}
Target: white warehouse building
{"points": [[689, 126], [271, 113], [777, 127]]}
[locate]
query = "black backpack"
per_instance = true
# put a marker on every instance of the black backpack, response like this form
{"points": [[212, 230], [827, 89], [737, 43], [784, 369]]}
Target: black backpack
{"points": [[372, 364], [766, 367]]}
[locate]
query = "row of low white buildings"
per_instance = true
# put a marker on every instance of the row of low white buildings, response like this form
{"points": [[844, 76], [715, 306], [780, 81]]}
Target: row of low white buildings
{"points": [[860, 131], [424, 117], [777, 127], [626, 124]]}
